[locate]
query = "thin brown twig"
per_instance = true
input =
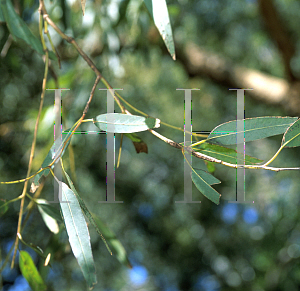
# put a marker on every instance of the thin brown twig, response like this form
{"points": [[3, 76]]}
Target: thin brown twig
{"points": [[168, 141], [30, 208], [78, 123], [6, 46], [31, 156], [72, 41], [214, 160]]}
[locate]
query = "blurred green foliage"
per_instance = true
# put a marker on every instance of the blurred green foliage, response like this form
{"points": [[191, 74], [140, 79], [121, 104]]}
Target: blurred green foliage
{"points": [[171, 246]]}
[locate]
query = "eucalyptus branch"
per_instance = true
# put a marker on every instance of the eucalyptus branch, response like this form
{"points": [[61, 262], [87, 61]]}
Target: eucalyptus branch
{"points": [[33, 144], [63, 146], [164, 123], [199, 155], [117, 96], [30, 208], [72, 41], [61, 149]]}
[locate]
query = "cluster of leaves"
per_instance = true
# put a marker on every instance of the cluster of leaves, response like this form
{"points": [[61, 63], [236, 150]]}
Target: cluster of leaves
{"points": [[73, 208], [73, 211]]}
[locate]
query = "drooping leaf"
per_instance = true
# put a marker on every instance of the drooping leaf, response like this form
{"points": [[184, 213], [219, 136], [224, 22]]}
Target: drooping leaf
{"points": [[255, 128], [51, 222], [292, 135], [101, 228], [210, 179], [115, 245], [49, 209], [159, 12], [225, 154], [30, 272], [78, 233], [84, 208], [202, 181], [125, 123], [18, 28], [50, 157], [139, 144]]}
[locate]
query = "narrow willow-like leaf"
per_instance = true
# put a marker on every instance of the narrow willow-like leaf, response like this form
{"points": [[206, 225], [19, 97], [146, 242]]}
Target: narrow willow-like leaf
{"points": [[159, 12], [85, 209], [78, 233], [49, 209], [30, 272], [125, 123], [255, 128], [139, 145], [202, 181], [292, 135], [51, 156], [50, 222], [225, 154], [18, 28], [207, 177], [115, 245]]}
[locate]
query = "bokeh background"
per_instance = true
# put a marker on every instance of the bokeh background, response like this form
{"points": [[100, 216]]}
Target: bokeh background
{"points": [[253, 246]]}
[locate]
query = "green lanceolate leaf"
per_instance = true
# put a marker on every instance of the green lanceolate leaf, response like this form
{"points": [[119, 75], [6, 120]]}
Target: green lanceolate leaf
{"points": [[49, 209], [255, 128], [115, 245], [105, 233], [47, 212], [225, 154], [78, 233], [202, 181], [51, 156], [30, 272], [18, 28], [84, 208], [159, 12], [292, 135], [125, 123], [139, 145]]}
